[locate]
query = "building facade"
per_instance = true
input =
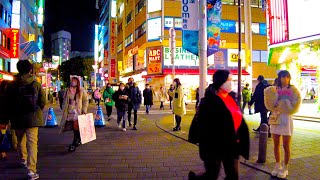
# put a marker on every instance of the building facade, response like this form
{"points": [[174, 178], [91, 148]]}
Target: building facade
{"points": [[142, 33], [61, 45], [74, 54]]}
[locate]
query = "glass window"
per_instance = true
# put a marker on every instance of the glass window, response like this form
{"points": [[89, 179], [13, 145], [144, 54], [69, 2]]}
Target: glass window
{"points": [[119, 48], [255, 56], [8, 43], [255, 28], [140, 30], [129, 17], [128, 40], [264, 56], [140, 5], [119, 28], [4, 40]]}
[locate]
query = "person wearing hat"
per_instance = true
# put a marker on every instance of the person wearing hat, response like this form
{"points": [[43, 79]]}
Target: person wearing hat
{"points": [[258, 101]]}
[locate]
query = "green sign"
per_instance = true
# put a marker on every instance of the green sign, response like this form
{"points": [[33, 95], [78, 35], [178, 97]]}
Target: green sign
{"points": [[1, 76], [182, 57]]}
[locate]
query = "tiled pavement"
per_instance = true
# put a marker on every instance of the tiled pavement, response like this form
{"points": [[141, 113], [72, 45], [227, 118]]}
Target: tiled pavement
{"points": [[149, 153], [305, 162]]}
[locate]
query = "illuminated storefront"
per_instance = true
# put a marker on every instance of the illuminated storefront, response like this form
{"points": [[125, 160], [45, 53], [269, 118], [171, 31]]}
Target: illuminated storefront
{"points": [[294, 41]]}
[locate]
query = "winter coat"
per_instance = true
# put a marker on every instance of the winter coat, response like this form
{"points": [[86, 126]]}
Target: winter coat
{"points": [[179, 106], [61, 93], [82, 104], [216, 134], [246, 94], [258, 99], [121, 104], [107, 93], [19, 119], [97, 94], [170, 91], [3, 105], [286, 106], [147, 97], [162, 96], [135, 96]]}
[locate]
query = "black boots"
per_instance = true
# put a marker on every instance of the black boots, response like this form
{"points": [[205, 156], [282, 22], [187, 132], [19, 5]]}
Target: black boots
{"points": [[76, 141]]}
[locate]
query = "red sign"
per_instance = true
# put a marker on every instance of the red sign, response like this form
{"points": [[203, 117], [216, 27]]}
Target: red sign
{"points": [[113, 68], [105, 57], [154, 60], [14, 49], [113, 37]]}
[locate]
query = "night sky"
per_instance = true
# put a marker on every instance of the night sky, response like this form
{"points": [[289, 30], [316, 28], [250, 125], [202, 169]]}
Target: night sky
{"points": [[76, 16]]}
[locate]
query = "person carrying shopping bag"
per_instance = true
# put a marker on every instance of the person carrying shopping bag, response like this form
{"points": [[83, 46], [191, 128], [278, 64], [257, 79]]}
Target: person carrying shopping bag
{"points": [[108, 101]]}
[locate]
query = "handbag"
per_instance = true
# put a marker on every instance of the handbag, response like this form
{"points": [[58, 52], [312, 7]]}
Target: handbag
{"points": [[274, 118], [5, 144]]}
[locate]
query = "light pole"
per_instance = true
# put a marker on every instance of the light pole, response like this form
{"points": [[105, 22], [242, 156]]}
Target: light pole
{"points": [[239, 54], [95, 75], [46, 84], [202, 47]]}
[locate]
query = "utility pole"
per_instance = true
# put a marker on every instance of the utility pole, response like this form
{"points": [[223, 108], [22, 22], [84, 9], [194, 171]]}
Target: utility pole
{"points": [[202, 47], [172, 43], [248, 40], [239, 54]]}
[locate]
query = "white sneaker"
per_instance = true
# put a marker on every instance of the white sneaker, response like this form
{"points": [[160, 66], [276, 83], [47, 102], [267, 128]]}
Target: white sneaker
{"points": [[124, 129], [33, 175], [119, 125], [276, 170], [284, 172]]}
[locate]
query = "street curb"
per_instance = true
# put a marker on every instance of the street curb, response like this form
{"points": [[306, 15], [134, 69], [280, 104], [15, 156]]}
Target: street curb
{"points": [[243, 163]]}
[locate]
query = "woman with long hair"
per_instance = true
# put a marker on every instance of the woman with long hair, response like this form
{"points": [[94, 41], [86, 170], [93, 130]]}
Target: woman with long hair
{"points": [[283, 100], [108, 101], [179, 106], [75, 103]]}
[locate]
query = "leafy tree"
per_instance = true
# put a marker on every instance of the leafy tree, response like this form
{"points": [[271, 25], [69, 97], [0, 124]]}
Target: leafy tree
{"points": [[76, 66]]}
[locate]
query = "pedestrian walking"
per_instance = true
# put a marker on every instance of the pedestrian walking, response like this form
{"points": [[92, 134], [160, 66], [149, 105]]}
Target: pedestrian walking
{"points": [[258, 101], [26, 100], [283, 100], [162, 97], [222, 132], [108, 101], [170, 91], [61, 96], [246, 98], [179, 106], [121, 99], [135, 101], [97, 96], [147, 98], [75, 103]]}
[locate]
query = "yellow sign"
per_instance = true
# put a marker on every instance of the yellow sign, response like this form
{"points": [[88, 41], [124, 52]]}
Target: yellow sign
{"points": [[120, 66], [32, 37]]}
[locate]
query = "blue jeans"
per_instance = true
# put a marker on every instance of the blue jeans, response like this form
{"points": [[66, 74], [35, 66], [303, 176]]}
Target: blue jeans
{"points": [[122, 115], [147, 108]]}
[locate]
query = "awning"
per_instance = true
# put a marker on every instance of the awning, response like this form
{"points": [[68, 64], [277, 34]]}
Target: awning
{"points": [[196, 71], [29, 47]]}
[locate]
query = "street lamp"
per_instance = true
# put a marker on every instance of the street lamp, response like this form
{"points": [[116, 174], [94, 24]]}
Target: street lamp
{"points": [[46, 67], [95, 67]]}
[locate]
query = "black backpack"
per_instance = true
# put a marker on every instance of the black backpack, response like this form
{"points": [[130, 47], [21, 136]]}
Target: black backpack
{"points": [[27, 98]]}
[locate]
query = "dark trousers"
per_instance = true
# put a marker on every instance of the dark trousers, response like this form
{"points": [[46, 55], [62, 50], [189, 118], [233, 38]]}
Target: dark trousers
{"points": [[97, 101], [197, 103], [231, 168], [161, 105], [109, 110], [122, 116], [135, 114], [170, 103], [178, 120], [76, 137], [61, 102], [264, 119]]}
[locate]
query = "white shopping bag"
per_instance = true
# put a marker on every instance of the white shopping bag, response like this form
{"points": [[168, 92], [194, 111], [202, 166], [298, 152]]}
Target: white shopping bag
{"points": [[86, 128]]}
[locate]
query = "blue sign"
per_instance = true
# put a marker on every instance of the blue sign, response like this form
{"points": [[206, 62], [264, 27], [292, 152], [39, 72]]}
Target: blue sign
{"points": [[228, 26], [263, 28], [213, 25]]}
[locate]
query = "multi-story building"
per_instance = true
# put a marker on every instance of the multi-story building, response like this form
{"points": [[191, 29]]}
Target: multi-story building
{"points": [[61, 45], [143, 32], [74, 54]]}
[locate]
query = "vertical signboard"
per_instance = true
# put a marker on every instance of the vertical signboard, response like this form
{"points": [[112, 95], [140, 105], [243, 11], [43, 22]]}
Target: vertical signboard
{"points": [[213, 25], [113, 50], [190, 29], [221, 58], [154, 59], [14, 48], [113, 68]]}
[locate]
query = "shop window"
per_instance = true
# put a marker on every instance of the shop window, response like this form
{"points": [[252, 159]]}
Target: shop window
{"points": [[141, 30], [129, 17], [255, 56], [8, 43], [128, 40], [121, 8], [264, 56], [140, 5], [119, 48]]}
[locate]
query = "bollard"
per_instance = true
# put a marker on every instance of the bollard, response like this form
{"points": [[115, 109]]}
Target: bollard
{"points": [[99, 119], [51, 119], [263, 137]]}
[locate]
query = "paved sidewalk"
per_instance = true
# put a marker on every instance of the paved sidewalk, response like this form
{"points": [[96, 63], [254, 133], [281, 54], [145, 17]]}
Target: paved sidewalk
{"points": [[148, 153], [305, 155]]}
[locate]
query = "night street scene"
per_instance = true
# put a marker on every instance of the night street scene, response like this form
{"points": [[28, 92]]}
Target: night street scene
{"points": [[159, 89]]}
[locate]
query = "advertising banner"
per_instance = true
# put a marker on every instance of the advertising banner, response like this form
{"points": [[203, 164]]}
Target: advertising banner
{"points": [[14, 47], [190, 29], [233, 57], [154, 29], [213, 25], [55, 61], [120, 68], [154, 60], [86, 128], [221, 59], [182, 57], [113, 48], [113, 68]]}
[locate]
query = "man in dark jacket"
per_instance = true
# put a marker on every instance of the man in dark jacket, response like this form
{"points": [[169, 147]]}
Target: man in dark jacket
{"points": [[61, 96], [135, 101], [25, 118], [258, 101], [121, 98], [147, 98]]}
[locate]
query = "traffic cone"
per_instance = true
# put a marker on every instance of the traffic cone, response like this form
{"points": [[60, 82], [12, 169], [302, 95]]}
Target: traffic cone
{"points": [[99, 118], [51, 119]]}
